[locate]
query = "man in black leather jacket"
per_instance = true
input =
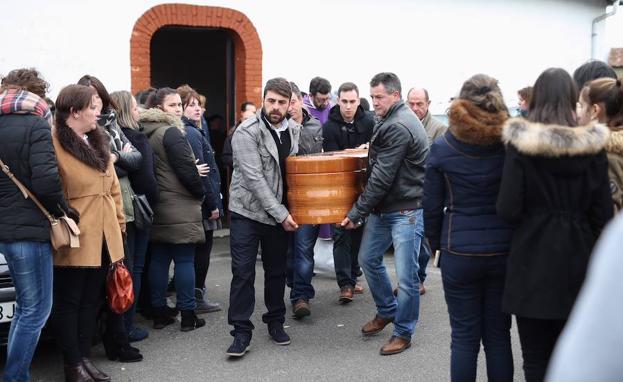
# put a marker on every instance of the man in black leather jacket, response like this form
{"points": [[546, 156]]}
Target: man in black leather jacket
{"points": [[392, 199]]}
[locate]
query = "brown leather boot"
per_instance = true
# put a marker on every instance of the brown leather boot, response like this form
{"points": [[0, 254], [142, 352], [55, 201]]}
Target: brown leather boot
{"points": [[77, 373], [346, 294], [376, 325], [94, 372], [395, 345], [301, 308]]}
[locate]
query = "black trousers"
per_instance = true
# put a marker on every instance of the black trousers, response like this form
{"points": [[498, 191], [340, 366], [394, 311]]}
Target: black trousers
{"points": [[77, 298], [538, 338], [246, 236], [202, 260], [346, 245]]}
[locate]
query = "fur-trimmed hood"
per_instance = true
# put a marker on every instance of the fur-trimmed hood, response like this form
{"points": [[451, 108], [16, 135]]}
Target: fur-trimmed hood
{"points": [[158, 117], [473, 125], [95, 154], [555, 140], [615, 143]]}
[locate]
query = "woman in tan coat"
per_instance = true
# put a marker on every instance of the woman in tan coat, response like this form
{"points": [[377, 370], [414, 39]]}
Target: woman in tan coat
{"points": [[91, 187]]}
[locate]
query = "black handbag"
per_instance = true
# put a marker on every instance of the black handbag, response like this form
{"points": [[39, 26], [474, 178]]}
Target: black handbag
{"points": [[143, 214]]}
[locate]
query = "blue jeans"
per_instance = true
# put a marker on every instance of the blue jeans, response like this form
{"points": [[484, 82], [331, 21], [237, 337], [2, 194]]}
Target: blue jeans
{"points": [[30, 264], [404, 230], [423, 258], [141, 243], [183, 255], [473, 287], [304, 240]]}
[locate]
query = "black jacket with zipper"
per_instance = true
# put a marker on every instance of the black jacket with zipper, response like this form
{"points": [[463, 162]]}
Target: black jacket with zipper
{"points": [[340, 135], [396, 165]]}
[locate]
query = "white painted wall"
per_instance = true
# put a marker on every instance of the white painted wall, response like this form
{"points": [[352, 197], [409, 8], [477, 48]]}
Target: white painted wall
{"points": [[613, 34], [437, 44]]}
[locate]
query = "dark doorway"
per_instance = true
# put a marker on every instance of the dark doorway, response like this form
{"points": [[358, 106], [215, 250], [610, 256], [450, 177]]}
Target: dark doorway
{"points": [[201, 58], [204, 59]]}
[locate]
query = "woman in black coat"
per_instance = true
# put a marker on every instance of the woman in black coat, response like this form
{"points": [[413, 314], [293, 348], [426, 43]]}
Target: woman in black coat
{"points": [[212, 207], [28, 153], [555, 190], [463, 176], [143, 182]]}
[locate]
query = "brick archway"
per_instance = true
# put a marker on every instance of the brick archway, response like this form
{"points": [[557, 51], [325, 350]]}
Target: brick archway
{"points": [[247, 45]]}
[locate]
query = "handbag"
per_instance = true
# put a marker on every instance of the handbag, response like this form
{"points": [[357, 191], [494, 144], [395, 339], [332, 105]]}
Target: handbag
{"points": [[119, 288], [64, 231], [143, 214]]}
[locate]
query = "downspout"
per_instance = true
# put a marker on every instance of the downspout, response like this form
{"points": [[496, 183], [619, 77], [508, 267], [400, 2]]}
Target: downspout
{"points": [[596, 20]]}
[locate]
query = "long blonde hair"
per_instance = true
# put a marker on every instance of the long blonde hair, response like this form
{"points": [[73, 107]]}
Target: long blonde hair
{"points": [[123, 101]]}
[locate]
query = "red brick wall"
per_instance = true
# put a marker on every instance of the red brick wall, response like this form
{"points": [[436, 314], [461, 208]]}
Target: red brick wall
{"points": [[248, 49]]}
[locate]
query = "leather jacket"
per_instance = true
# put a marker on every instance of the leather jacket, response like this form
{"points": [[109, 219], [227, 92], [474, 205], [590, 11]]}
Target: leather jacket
{"points": [[396, 165]]}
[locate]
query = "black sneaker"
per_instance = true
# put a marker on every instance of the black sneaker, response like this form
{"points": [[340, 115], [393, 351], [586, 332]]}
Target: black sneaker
{"points": [[240, 346], [279, 336]]}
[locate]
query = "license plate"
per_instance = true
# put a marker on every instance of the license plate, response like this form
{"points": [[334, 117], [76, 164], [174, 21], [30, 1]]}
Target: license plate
{"points": [[7, 311]]}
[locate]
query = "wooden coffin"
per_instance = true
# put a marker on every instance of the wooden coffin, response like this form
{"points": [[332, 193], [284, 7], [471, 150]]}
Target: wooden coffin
{"points": [[323, 187]]}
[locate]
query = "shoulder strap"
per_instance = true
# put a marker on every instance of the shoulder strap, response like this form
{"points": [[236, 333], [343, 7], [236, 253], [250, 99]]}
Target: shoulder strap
{"points": [[25, 191]]}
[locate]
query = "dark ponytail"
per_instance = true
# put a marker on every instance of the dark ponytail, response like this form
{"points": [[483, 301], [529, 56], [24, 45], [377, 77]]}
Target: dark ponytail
{"points": [[156, 97]]}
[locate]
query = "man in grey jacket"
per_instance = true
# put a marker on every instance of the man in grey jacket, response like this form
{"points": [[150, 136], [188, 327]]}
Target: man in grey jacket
{"points": [[419, 102], [392, 198], [259, 214]]}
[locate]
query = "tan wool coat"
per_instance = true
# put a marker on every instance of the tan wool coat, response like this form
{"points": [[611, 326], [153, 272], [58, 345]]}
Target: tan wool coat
{"points": [[96, 195]]}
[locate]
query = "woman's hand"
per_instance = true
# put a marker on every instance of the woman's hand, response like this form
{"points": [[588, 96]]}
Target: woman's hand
{"points": [[202, 169], [214, 214], [73, 214]]}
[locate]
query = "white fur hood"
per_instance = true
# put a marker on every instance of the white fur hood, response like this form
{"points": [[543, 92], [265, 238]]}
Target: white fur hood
{"points": [[554, 140]]}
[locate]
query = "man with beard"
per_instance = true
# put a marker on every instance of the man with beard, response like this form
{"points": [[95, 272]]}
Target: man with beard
{"points": [[259, 214], [318, 101], [392, 201], [304, 239], [348, 127]]}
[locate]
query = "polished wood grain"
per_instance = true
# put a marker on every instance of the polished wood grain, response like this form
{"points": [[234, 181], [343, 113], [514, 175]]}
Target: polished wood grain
{"points": [[323, 187]]}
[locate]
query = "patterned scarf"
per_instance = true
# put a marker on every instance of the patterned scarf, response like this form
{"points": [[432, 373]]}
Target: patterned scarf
{"points": [[17, 101], [107, 117]]}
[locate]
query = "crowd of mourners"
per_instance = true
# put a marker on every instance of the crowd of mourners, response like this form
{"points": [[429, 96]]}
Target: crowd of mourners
{"points": [[511, 207]]}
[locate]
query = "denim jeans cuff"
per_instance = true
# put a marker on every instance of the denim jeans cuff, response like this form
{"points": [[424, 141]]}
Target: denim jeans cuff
{"points": [[403, 336]]}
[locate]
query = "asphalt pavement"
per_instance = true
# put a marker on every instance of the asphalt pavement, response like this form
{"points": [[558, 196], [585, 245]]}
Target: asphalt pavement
{"points": [[326, 346]]}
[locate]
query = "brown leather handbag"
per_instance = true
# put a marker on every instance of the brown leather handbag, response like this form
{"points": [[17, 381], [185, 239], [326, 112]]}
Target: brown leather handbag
{"points": [[64, 231], [119, 288]]}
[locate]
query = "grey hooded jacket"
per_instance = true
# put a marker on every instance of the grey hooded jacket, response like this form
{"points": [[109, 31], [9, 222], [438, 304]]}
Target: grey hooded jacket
{"points": [[256, 189], [310, 141]]}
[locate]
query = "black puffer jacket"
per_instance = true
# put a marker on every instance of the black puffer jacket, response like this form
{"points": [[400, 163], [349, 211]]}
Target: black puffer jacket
{"points": [[339, 135], [396, 165], [27, 149], [143, 180]]}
